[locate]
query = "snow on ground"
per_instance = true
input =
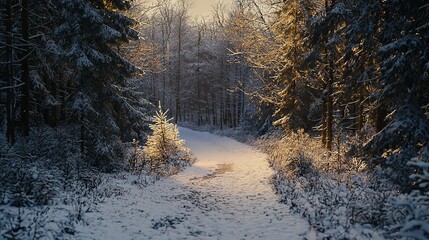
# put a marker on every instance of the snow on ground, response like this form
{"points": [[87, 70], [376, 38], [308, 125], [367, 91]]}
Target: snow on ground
{"points": [[226, 194]]}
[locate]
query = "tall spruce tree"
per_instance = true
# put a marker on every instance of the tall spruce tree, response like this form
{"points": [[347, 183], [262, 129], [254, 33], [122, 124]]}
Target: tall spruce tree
{"points": [[291, 28], [91, 33], [404, 58], [62, 63]]}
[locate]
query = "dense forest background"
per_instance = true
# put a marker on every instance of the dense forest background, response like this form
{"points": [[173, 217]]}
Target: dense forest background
{"points": [[80, 79], [339, 70]]}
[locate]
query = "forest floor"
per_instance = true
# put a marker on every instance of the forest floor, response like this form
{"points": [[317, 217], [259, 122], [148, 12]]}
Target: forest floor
{"points": [[226, 194]]}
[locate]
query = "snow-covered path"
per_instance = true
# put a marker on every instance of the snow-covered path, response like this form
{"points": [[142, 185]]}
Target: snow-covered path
{"points": [[224, 195]]}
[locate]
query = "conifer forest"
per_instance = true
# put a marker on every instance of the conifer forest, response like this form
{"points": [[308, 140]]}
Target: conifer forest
{"points": [[268, 119]]}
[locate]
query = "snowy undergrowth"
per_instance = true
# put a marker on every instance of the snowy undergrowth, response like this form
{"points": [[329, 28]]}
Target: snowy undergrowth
{"points": [[330, 189], [67, 210], [46, 187]]}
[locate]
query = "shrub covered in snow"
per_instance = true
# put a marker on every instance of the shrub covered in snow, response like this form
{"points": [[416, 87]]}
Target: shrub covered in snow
{"points": [[340, 196], [416, 203], [331, 189], [37, 174]]}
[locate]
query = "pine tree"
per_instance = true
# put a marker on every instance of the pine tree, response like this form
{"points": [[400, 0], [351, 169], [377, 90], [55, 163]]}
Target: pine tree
{"points": [[61, 62], [91, 34], [291, 28], [404, 71], [164, 147]]}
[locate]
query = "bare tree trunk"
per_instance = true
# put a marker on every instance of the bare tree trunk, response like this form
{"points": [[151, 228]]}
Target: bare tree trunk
{"points": [[330, 112], [380, 115], [164, 63], [214, 108], [179, 75], [361, 111], [294, 69], [166, 12], [182, 11], [10, 92], [206, 100], [25, 71], [221, 109], [330, 82], [198, 79], [243, 96], [324, 110]]}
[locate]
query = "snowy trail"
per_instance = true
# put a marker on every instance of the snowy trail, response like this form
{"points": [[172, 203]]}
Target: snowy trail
{"points": [[224, 195]]}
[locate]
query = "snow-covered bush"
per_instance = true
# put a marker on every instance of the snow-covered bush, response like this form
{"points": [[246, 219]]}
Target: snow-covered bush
{"points": [[136, 158], [27, 178], [416, 203], [42, 179], [23, 223], [294, 154], [330, 189], [35, 170], [164, 149]]}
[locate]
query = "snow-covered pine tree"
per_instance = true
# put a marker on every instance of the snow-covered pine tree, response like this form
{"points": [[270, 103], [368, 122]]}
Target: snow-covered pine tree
{"points": [[8, 114], [291, 27], [28, 70], [73, 73], [106, 105], [404, 68], [164, 149], [362, 39]]}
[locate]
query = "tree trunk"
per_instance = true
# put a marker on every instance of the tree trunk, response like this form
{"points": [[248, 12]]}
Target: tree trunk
{"points": [[164, 63], [330, 82], [380, 115], [198, 80], [324, 110], [179, 71], [10, 92], [330, 106], [242, 106], [25, 71], [361, 111]]}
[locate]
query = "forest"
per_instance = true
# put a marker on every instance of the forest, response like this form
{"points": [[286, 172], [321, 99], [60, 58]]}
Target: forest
{"points": [[335, 92]]}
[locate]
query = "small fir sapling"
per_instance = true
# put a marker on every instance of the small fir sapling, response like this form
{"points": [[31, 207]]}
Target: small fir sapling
{"points": [[164, 148]]}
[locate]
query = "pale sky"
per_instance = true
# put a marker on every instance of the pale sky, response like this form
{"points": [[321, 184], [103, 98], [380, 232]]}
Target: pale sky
{"points": [[205, 7], [202, 8]]}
